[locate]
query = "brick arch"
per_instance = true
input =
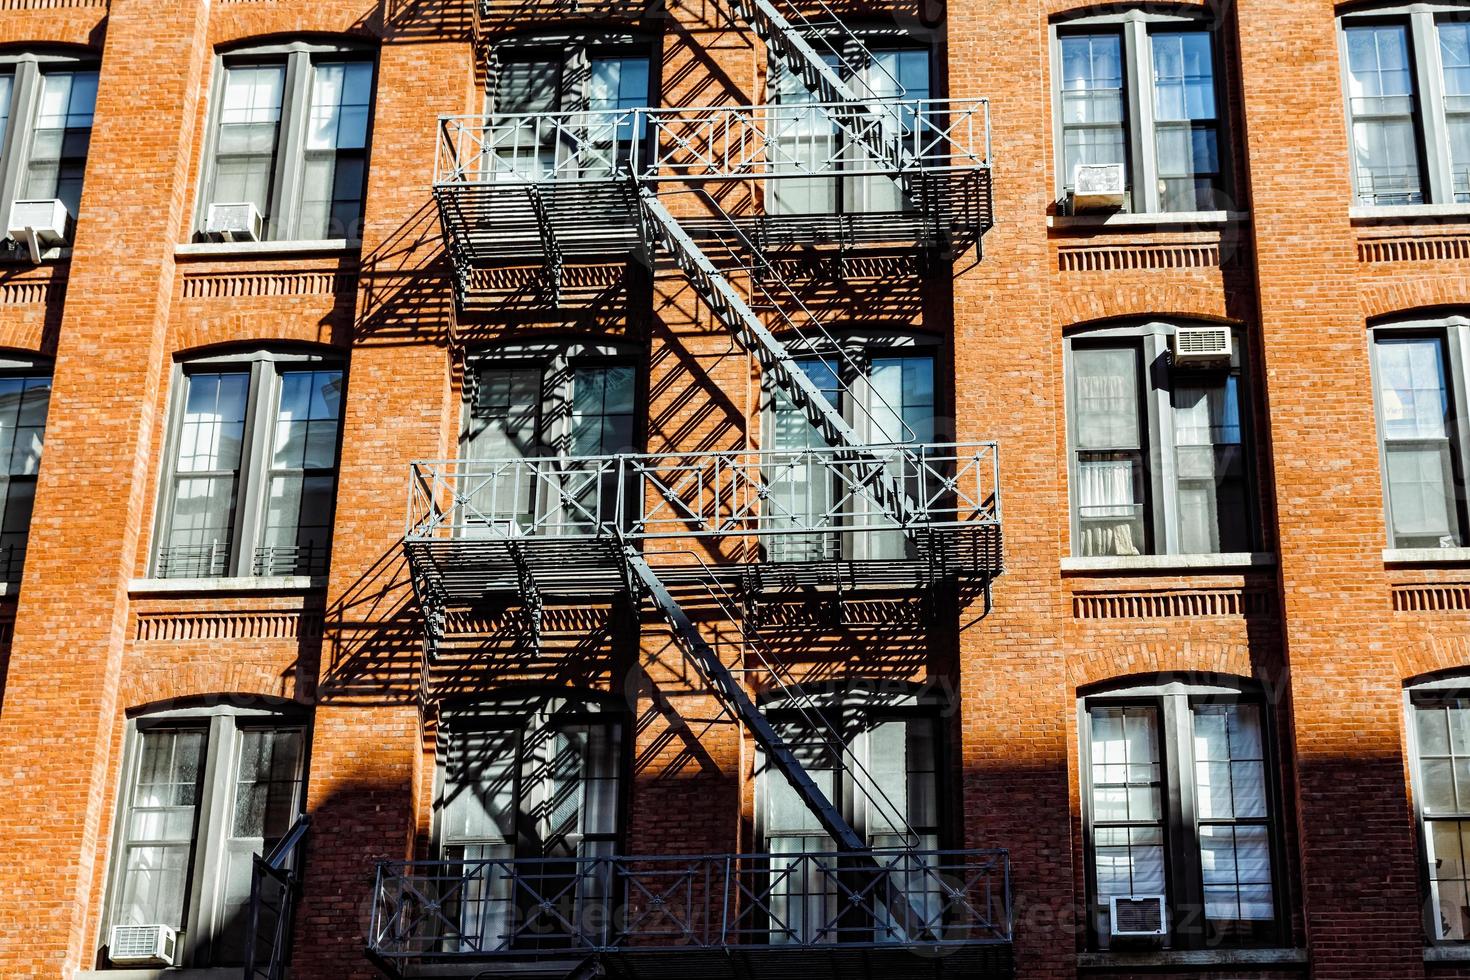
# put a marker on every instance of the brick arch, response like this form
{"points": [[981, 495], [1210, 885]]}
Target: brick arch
{"points": [[1404, 297], [1107, 663], [167, 679], [1063, 8], [28, 335], [232, 29], [193, 334], [1179, 300], [1433, 654]]}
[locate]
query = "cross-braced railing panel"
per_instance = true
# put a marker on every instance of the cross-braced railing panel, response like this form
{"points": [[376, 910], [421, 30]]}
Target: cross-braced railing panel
{"points": [[758, 493], [530, 907], [717, 143]]}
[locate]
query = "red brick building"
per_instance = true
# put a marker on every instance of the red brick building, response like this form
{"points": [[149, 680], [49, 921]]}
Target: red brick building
{"points": [[919, 490]]}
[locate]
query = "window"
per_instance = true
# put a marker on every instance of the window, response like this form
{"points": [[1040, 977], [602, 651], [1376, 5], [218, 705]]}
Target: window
{"points": [[596, 75], [251, 473], [540, 400], [885, 388], [537, 779], [203, 792], [1140, 90], [1439, 740], [1179, 801], [25, 395], [290, 136], [1418, 371], [807, 140], [1406, 71], [876, 757], [46, 103], [1160, 460]]}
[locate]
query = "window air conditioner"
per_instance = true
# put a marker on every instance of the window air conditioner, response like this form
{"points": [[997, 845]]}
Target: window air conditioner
{"points": [[1201, 345], [152, 945], [39, 225], [236, 222], [1097, 186], [1138, 915]]}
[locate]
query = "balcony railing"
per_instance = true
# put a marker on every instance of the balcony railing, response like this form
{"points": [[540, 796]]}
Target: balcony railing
{"points": [[719, 143], [530, 908], [765, 493]]}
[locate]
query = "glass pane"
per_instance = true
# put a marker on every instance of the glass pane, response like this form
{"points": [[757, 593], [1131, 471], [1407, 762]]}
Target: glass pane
{"points": [[1384, 106], [479, 787], [206, 474], [1093, 100], [249, 122], [303, 474], [1108, 440], [1184, 112], [7, 93], [802, 487], [1411, 387], [336, 139], [1230, 767], [59, 140], [158, 834], [1210, 467]]}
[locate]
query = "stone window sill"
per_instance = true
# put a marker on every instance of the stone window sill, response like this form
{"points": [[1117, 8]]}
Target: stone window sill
{"points": [[1192, 957], [1170, 563], [1408, 212], [210, 973], [230, 250], [1448, 953], [225, 586], [1169, 219], [1426, 556]]}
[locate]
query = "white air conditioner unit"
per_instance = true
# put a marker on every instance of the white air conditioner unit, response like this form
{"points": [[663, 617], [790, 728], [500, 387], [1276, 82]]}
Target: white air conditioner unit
{"points": [[1096, 186], [236, 222], [1201, 345], [1138, 915], [39, 224], [153, 945]]}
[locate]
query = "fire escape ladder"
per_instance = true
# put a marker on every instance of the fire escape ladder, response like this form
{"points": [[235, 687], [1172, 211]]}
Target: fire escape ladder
{"points": [[729, 691], [788, 33], [736, 313]]}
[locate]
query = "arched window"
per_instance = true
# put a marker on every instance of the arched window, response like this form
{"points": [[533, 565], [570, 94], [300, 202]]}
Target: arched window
{"points": [[250, 476], [203, 791], [1160, 458], [523, 780], [1139, 89], [288, 136], [46, 103], [1419, 383], [1439, 745], [1180, 802]]}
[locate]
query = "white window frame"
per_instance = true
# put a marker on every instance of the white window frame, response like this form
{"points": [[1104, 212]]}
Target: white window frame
{"points": [[290, 158], [1454, 331], [264, 367], [27, 69], [1433, 151], [222, 726], [1141, 152], [1161, 521]]}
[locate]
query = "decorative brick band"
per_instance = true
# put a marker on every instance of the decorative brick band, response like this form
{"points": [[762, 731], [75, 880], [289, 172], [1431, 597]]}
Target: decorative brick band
{"points": [[1447, 597], [229, 285], [1453, 248], [1186, 604], [49, 4], [21, 292], [1092, 258], [272, 625]]}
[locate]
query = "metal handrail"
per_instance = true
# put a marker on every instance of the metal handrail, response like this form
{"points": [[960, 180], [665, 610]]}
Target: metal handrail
{"points": [[707, 142], [760, 493], [525, 907]]}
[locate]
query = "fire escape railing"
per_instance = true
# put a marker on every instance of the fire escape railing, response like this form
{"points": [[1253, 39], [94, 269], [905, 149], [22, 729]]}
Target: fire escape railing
{"points": [[275, 881], [543, 907], [760, 493]]}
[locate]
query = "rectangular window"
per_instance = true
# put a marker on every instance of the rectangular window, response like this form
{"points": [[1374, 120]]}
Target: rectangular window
{"points": [[1160, 456], [1384, 106], [238, 503], [24, 401], [1094, 106], [7, 94], [60, 136], [1186, 124], [1442, 744], [203, 797], [1421, 476], [290, 136], [1197, 831]]}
